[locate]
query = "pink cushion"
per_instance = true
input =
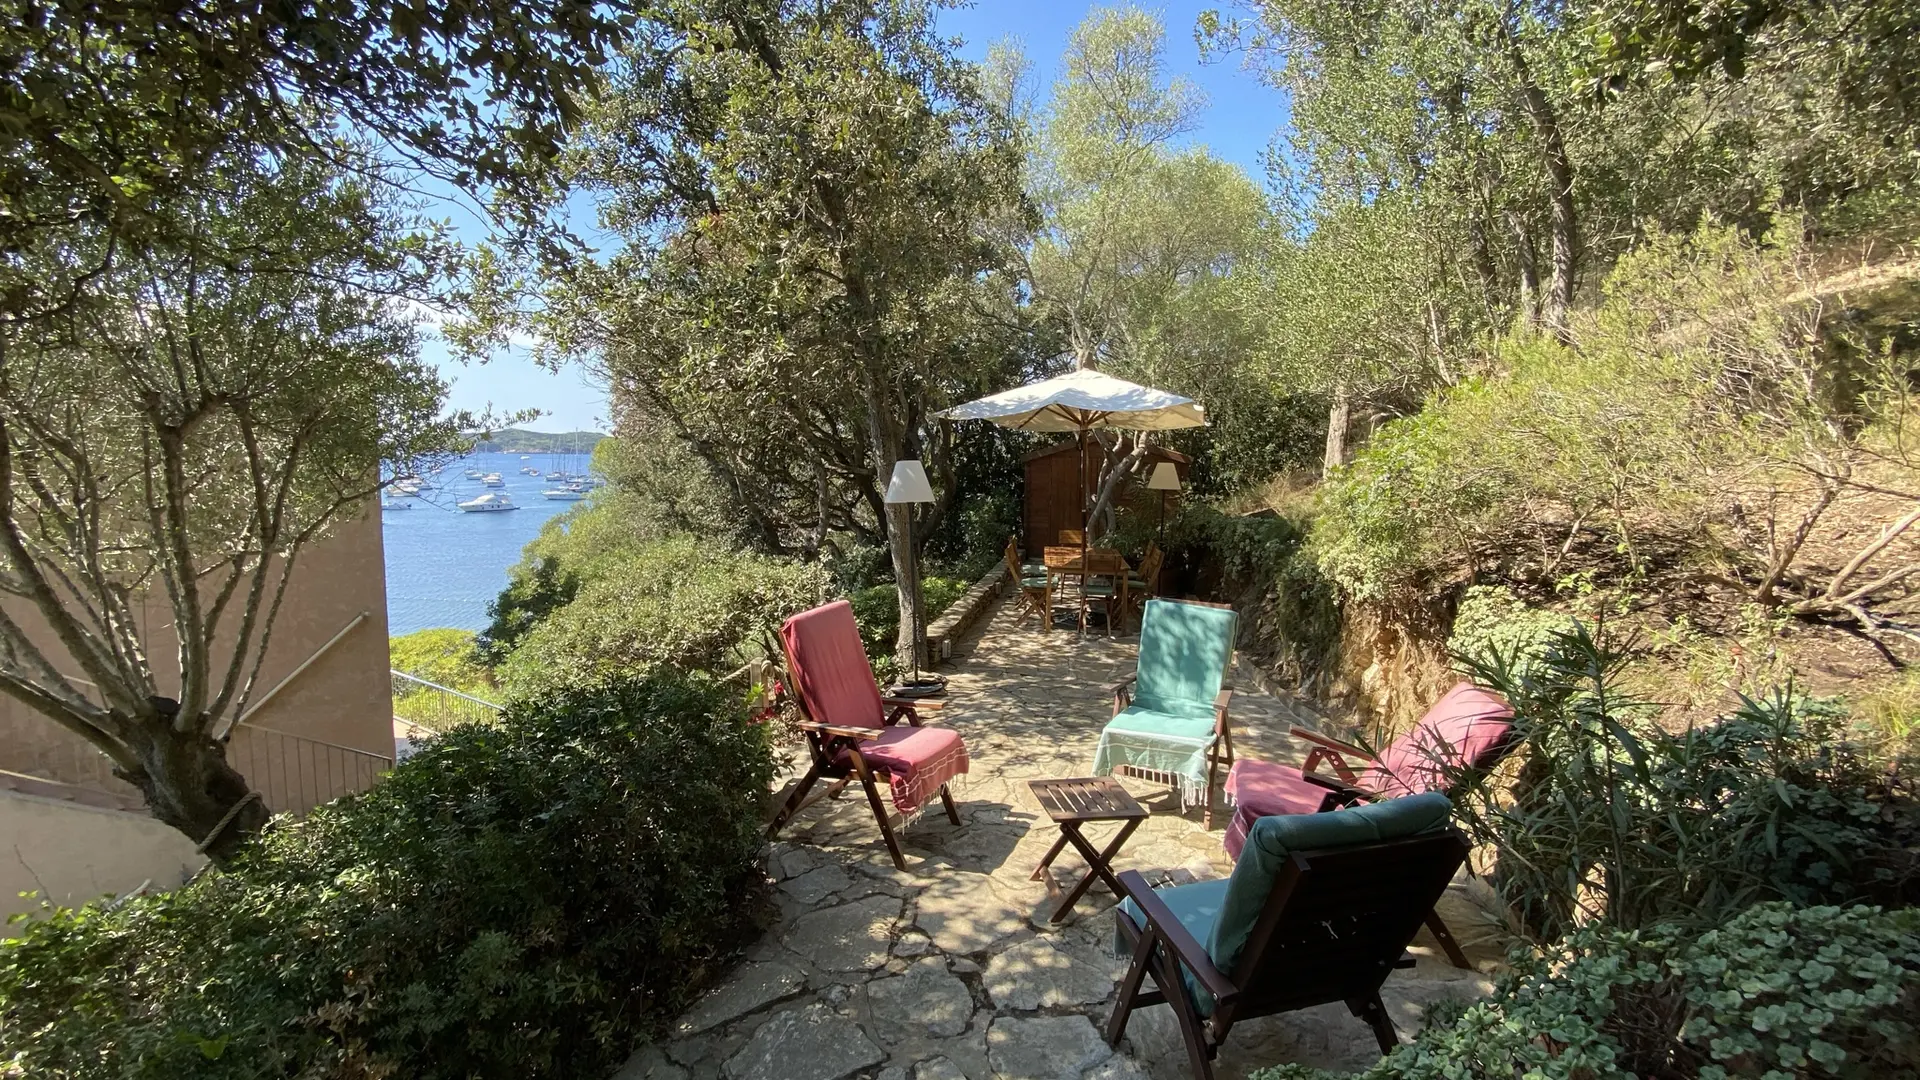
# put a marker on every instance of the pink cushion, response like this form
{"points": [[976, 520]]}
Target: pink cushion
{"points": [[1467, 726], [1260, 789], [916, 761], [830, 670]]}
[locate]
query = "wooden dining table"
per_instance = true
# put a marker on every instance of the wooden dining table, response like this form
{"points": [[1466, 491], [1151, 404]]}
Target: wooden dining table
{"points": [[1062, 564]]}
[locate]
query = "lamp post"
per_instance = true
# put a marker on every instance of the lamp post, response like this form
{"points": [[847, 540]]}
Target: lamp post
{"points": [[907, 486], [1165, 478]]}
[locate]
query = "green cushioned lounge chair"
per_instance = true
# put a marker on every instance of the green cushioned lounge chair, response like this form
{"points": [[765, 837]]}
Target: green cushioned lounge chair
{"points": [[1170, 717], [1320, 908]]}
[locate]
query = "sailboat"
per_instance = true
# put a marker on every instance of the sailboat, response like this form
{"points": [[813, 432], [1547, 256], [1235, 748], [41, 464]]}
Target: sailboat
{"points": [[492, 479]]}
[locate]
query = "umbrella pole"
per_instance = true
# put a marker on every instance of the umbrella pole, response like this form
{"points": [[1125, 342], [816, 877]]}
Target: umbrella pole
{"points": [[1086, 522]]}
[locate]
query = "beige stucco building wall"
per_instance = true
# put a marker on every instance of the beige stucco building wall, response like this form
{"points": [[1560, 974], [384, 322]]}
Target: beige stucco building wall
{"points": [[70, 853], [326, 730]]}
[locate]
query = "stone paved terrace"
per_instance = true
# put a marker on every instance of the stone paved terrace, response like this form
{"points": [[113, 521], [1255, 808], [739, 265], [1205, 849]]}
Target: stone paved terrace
{"points": [[950, 970]]}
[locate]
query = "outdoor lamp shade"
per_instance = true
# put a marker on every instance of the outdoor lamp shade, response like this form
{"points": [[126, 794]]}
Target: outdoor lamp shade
{"points": [[909, 484], [1165, 478]]}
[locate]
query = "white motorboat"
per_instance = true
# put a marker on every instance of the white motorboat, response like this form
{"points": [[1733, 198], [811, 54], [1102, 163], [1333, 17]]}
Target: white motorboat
{"points": [[530, 470], [492, 479], [490, 503], [406, 488], [475, 474], [396, 504], [566, 493]]}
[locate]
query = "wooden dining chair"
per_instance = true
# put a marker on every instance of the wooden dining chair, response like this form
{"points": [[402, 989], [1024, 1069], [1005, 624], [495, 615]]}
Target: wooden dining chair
{"points": [[1036, 590], [1104, 584], [1144, 584]]}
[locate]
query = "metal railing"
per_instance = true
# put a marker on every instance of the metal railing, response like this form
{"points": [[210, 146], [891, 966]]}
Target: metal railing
{"points": [[294, 774], [436, 707]]}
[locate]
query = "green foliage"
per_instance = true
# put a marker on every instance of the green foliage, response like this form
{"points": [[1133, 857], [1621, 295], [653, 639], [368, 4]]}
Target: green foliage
{"points": [[1292, 608], [451, 659], [1614, 817], [536, 588], [442, 656], [877, 610], [1698, 387], [514, 901], [120, 114], [1775, 992], [809, 229], [679, 603], [1491, 621]]}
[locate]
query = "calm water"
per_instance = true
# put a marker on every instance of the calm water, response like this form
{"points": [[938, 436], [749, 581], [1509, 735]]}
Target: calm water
{"points": [[444, 566]]}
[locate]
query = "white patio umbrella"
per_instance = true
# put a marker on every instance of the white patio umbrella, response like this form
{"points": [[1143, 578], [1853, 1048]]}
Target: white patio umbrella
{"points": [[1080, 401]]}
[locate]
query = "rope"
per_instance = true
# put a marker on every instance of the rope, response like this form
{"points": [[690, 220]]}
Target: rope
{"points": [[232, 812]]}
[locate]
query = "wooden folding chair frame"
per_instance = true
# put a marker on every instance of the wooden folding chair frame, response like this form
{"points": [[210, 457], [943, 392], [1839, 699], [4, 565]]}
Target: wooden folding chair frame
{"points": [[1162, 946], [826, 742], [1219, 753], [1344, 785]]}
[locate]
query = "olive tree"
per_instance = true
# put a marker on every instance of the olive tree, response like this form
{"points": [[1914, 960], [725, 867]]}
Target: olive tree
{"points": [[225, 394], [805, 272]]}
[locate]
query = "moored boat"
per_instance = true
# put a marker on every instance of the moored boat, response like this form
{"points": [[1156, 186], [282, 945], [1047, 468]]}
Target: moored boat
{"points": [[491, 502]]}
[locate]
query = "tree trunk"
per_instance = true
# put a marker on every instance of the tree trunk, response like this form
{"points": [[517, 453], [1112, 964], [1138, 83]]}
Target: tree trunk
{"points": [[1339, 415], [189, 785], [1559, 168], [1122, 467], [1529, 271]]}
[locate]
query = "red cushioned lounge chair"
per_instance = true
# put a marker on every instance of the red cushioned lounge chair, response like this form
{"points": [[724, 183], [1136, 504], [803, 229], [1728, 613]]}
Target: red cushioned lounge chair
{"points": [[854, 732], [1468, 727]]}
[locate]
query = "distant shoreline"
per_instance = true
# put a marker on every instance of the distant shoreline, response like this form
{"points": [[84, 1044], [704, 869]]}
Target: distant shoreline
{"points": [[517, 441]]}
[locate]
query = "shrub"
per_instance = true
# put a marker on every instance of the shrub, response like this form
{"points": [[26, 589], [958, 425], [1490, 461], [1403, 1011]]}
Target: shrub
{"points": [[1491, 620], [680, 603], [521, 900], [443, 656], [1289, 606], [1777, 992], [1614, 817], [877, 610], [537, 588]]}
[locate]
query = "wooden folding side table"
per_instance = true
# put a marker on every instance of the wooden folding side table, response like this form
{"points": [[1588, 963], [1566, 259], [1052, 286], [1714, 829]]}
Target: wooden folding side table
{"points": [[1076, 802]]}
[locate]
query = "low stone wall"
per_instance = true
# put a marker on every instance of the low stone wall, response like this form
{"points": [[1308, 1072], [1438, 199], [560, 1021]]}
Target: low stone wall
{"points": [[953, 622]]}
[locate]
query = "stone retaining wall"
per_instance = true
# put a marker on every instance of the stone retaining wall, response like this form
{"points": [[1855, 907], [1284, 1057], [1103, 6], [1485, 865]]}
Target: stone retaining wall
{"points": [[964, 612]]}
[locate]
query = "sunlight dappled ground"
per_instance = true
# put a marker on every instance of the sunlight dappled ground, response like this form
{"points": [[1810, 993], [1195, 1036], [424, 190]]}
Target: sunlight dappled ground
{"points": [[950, 969]]}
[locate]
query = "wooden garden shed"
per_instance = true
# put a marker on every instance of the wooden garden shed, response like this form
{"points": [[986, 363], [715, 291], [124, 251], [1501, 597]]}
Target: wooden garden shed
{"points": [[1052, 479]]}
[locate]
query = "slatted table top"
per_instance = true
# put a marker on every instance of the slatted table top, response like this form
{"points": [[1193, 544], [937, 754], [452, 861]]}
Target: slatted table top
{"points": [[1086, 798]]}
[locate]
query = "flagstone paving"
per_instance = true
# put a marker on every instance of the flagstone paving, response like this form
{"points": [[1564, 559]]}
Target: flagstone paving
{"points": [[950, 970]]}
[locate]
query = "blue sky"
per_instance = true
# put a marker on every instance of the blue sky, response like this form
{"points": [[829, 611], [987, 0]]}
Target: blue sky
{"points": [[1239, 121]]}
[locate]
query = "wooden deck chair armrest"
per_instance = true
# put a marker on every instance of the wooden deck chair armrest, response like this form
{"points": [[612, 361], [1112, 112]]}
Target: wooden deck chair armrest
{"points": [[861, 734], [1330, 750], [910, 708], [913, 704], [1162, 921], [1349, 791], [1122, 692]]}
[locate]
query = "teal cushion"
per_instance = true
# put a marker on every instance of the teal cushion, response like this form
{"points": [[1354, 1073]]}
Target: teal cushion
{"points": [[1197, 906], [1184, 651], [1099, 589], [1273, 839], [1138, 719], [1033, 582]]}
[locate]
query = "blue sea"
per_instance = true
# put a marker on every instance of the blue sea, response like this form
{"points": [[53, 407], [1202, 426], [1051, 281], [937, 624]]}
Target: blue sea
{"points": [[443, 566]]}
